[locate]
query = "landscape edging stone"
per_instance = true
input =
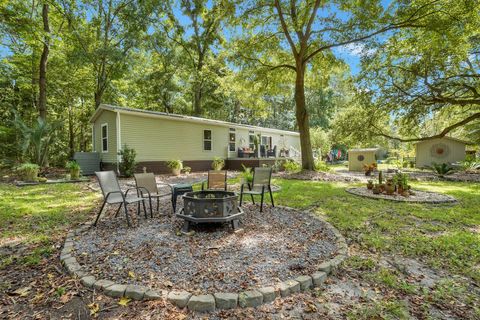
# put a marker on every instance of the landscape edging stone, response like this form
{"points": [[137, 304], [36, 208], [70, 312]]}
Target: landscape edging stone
{"points": [[257, 296]]}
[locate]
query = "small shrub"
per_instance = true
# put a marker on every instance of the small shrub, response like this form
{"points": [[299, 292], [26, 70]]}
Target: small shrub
{"points": [[186, 170], [74, 168], [292, 166], [321, 166], [277, 165], [127, 164], [470, 164], [175, 164], [29, 171], [441, 169], [218, 163], [247, 174]]}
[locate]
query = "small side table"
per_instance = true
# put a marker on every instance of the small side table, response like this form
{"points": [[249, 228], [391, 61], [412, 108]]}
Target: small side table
{"points": [[178, 190]]}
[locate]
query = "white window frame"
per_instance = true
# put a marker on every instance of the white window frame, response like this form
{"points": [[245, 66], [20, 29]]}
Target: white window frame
{"points": [[251, 145], [211, 140], [101, 137], [230, 131]]}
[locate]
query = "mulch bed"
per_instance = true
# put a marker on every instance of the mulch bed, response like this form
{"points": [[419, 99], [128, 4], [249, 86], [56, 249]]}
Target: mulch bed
{"points": [[317, 176], [417, 197], [275, 245]]}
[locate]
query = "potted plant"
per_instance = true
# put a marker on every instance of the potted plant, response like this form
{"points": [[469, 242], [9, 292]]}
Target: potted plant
{"points": [[390, 187], [74, 169], [376, 188], [29, 171], [369, 168], [218, 163], [246, 175], [186, 170], [176, 166], [370, 184]]}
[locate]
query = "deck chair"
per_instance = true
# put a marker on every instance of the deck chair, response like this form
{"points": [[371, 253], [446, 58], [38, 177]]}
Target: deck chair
{"points": [[217, 180], [112, 194], [259, 186], [148, 189]]}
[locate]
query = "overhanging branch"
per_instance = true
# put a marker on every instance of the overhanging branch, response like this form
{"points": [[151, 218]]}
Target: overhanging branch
{"points": [[436, 136]]}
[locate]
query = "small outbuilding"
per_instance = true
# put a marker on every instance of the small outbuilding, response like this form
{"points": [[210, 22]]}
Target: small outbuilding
{"points": [[442, 150], [359, 157]]}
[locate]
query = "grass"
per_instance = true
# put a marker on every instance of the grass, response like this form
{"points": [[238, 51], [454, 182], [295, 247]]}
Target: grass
{"points": [[441, 235], [34, 216], [446, 237]]}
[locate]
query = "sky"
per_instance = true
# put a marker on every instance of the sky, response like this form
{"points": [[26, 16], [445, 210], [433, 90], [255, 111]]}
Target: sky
{"points": [[350, 54]]}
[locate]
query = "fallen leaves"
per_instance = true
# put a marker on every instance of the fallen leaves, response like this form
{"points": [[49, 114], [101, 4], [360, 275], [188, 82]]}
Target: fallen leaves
{"points": [[94, 308], [22, 292], [123, 301]]}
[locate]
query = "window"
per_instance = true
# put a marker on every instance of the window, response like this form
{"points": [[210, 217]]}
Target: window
{"points": [[231, 140], [105, 137], [251, 139], [267, 141], [207, 140]]}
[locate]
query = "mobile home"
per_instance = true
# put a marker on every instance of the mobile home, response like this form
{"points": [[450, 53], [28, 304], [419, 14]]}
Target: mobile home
{"points": [[158, 137]]}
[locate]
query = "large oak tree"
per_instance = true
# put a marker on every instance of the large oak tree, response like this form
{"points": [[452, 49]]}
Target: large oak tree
{"points": [[292, 34]]}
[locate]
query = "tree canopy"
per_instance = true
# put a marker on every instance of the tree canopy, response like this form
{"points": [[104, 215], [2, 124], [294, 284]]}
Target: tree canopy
{"points": [[273, 63]]}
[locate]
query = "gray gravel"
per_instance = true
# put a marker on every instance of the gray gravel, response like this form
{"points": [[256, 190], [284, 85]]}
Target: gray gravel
{"points": [[275, 245]]}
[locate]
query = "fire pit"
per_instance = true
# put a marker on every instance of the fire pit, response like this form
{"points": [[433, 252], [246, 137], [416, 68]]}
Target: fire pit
{"points": [[208, 207]]}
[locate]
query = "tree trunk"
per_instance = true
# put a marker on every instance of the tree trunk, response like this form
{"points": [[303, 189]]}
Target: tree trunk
{"points": [[42, 98], [302, 119], [197, 101], [71, 134]]}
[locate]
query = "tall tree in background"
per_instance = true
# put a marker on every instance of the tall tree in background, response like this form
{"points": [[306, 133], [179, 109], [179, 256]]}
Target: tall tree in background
{"points": [[427, 79], [107, 37], [197, 39], [310, 29], [42, 96]]}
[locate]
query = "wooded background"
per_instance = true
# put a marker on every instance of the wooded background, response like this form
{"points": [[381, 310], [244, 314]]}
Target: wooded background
{"points": [[268, 63]]}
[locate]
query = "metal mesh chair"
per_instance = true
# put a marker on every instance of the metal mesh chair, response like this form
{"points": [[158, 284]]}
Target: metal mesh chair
{"points": [[260, 185], [217, 180], [112, 194], [148, 189]]}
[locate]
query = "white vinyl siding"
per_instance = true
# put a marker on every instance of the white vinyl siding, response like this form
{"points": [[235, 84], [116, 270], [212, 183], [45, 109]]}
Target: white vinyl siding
{"points": [[109, 118]]}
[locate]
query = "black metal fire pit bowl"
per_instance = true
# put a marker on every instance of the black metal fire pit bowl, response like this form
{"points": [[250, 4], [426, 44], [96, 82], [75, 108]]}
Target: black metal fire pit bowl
{"points": [[210, 206]]}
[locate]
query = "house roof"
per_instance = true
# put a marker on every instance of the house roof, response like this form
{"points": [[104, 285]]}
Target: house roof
{"points": [[448, 138], [364, 150], [178, 117]]}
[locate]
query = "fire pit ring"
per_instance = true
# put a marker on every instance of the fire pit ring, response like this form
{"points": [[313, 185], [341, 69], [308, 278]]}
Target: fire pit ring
{"points": [[210, 206]]}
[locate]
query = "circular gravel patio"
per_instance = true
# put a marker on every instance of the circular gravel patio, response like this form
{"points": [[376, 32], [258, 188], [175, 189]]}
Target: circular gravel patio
{"points": [[278, 252], [417, 197]]}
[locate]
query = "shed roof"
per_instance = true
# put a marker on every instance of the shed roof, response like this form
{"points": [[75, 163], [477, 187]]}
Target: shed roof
{"points": [[448, 138], [364, 150], [178, 117]]}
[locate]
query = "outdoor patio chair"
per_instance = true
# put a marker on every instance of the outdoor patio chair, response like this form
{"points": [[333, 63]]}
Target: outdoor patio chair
{"points": [[272, 152], [263, 151], [112, 194], [148, 189], [217, 179], [259, 186]]}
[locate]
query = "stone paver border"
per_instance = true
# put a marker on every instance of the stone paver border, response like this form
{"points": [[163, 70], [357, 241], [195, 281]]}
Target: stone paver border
{"points": [[206, 302], [446, 198]]}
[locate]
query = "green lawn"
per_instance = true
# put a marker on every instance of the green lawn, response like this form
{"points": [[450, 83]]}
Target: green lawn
{"points": [[444, 237], [35, 216]]}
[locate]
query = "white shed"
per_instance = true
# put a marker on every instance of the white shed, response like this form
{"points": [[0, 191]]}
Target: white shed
{"points": [[442, 150], [357, 158]]}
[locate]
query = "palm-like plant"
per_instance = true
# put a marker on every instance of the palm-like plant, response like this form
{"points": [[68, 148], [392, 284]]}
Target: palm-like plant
{"points": [[36, 139], [442, 169]]}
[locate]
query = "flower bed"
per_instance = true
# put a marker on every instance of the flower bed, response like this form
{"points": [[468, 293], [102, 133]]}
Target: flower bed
{"points": [[417, 196]]}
